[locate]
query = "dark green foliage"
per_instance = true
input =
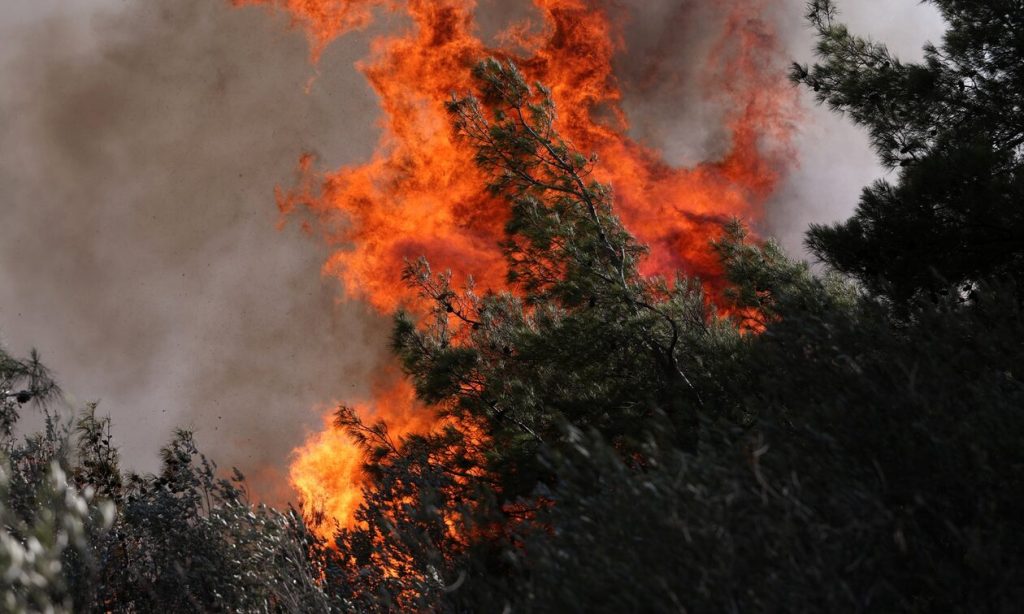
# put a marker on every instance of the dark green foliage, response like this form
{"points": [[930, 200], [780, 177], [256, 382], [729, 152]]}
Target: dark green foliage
{"points": [[954, 127], [928, 420], [921, 421], [882, 472], [189, 541], [725, 530]]}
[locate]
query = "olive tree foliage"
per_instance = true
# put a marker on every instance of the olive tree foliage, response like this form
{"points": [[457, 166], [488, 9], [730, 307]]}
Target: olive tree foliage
{"points": [[47, 523], [39, 551], [952, 127], [78, 534], [186, 539]]}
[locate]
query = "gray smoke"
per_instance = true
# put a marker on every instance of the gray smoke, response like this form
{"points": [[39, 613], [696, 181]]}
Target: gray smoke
{"points": [[835, 161], [668, 87], [141, 147], [142, 142]]}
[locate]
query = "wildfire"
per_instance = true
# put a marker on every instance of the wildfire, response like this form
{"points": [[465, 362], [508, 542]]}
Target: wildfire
{"points": [[421, 195]]}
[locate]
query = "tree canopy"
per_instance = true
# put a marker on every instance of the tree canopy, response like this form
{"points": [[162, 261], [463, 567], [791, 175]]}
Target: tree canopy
{"points": [[953, 127]]}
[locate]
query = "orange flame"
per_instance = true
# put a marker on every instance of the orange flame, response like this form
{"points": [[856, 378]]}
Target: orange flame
{"points": [[327, 471], [420, 194]]}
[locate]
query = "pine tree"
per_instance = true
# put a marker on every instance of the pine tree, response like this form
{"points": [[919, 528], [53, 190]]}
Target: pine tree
{"points": [[586, 338], [953, 128]]}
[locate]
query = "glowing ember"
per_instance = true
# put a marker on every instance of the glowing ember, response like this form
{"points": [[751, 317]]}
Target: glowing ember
{"points": [[421, 195]]}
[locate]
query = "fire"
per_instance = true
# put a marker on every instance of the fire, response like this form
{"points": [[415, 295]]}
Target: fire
{"points": [[327, 471], [420, 194]]}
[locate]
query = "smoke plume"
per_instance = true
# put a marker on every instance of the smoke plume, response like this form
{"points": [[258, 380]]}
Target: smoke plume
{"points": [[139, 245]]}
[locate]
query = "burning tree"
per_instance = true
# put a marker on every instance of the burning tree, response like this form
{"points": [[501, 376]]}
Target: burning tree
{"points": [[421, 192], [584, 340]]}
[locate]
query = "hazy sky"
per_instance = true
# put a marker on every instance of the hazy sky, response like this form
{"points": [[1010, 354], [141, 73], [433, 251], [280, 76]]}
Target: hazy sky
{"points": [[141, 143]]}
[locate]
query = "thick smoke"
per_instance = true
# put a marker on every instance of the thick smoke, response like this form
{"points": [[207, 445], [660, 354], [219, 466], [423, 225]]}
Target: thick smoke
{"points": [[140, 254], [142, 142], [669, 82]]}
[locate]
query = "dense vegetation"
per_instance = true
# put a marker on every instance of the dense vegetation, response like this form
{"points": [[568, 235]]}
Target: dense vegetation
{"points": [[850, 441]]}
